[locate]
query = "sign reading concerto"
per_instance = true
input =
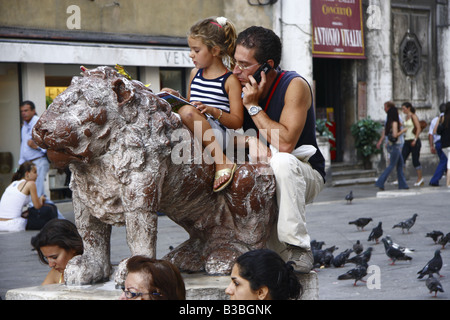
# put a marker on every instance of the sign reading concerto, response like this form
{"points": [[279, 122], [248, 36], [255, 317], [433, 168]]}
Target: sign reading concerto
{"points": [[338, 30]]}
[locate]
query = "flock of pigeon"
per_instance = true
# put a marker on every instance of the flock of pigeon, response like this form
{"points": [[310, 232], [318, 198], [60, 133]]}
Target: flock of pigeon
{"points": [[324, 258]]}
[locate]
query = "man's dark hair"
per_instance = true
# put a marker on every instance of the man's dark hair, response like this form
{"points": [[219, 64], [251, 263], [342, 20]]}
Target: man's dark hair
{"points": [[266, 43], [30, 103]]}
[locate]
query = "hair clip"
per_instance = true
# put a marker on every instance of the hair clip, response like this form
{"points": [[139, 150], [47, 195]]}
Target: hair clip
{"points": [[222, 21]]}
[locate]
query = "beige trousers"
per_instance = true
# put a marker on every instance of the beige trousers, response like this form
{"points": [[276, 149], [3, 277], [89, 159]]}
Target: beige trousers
{"points": [[297, 184]]}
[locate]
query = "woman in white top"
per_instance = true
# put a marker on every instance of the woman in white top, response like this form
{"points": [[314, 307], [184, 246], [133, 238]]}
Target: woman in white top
{"points": [[17, 195]]}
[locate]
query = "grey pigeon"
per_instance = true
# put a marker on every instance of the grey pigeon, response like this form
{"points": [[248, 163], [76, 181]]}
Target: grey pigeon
{"points": [[340, 260], [397, 246], [443, 241], [361, 222], [357, 273], [358, 247], [376, 233], [435, 235], [316, 245], [407, 224], [349, 197], [323, 258], [328, 255], [393, 253], [434, 285], [432, 266], [362, 258]]}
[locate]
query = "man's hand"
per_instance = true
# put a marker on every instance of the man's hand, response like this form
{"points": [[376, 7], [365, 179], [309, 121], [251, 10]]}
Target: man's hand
{"points": [[253, 91]]}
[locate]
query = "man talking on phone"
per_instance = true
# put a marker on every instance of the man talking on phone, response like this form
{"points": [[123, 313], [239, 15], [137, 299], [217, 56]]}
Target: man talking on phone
{"points": [[280, 109]]}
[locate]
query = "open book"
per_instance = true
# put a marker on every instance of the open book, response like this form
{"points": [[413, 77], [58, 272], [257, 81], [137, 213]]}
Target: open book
{"points": [[176, 102], [173, 100]]}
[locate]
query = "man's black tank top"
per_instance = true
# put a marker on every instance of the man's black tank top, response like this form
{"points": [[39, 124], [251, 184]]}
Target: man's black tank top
{"points": [[273, 105]]}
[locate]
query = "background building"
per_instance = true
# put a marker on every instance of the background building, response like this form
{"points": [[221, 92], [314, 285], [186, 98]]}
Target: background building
{"points": [[400, 53]]}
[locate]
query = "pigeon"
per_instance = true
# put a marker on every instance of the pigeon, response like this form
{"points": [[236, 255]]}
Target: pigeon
{"points": [[340, 260], [435, 235], [316, 245], [362, 258], [323, 258], [328, 255], [358, 247], [443, 241], [376, 233], [319, 258], [432, 266], [397, 246], [357, 273], [407, 224], [349, 197], [433, 284], [393, 253], [361, 222]]}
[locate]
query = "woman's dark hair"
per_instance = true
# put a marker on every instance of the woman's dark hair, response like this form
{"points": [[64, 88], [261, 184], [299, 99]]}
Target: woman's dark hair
{"points": [[392, 116], [447, 115], [162, 277], [409, 106], [266, 43], [58, 232], [25, 167], [264, 267]]}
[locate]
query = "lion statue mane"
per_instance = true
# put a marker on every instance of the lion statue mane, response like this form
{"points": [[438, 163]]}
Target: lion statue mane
{"points": [[119, 141]]}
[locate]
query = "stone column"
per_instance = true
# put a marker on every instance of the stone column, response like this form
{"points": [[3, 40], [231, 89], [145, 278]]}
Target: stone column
{"points": [[296, 36], [378, 52]]}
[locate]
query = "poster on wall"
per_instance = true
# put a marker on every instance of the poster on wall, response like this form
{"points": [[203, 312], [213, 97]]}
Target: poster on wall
{"points": [[337, 29]]}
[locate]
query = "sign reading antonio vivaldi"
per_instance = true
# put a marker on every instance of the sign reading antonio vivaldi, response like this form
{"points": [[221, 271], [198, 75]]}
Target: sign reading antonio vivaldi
{"points": [[337, 29]]}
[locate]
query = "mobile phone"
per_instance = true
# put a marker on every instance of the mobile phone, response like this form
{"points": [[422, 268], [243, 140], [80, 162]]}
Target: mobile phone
{"points": [[264, 67]]}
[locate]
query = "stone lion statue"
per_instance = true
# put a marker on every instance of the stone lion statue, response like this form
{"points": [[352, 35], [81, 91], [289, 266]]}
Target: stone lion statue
{"points": [[120, 141]]}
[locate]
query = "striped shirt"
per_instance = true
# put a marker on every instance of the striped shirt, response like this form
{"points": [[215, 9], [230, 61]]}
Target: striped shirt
{"points": [[211, 92]]}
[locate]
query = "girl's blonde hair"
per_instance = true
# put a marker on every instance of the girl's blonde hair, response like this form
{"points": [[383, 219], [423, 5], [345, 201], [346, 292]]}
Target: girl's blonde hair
{"points": [[217, 31]]}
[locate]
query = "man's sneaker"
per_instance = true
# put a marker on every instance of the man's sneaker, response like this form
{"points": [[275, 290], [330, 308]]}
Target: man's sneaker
{"points": [[303, 258]]}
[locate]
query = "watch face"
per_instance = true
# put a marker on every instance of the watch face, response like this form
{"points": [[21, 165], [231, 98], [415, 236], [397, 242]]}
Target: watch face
{"points": [[254, 110]]}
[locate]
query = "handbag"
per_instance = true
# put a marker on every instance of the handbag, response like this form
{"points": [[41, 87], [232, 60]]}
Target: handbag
{"points": [[37, 218], [391, 138], [423, 125]]}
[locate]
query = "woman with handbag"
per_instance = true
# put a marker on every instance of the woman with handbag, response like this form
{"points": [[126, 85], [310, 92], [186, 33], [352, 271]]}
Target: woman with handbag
{"points": [[18, 194], [443, 129], [392, 133]]}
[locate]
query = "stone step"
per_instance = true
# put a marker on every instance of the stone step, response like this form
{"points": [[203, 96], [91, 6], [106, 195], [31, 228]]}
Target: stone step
{"points": [[198, 287], [353, 174], [356, 181], [345, 174]]}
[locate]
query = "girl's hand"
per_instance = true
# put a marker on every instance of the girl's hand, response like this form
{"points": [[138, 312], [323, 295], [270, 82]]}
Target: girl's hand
{"points": [[202, 107], [172, 91]]}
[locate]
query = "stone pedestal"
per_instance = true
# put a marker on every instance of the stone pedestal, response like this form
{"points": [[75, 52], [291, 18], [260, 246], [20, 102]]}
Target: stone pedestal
{"points": [[198, 287]]}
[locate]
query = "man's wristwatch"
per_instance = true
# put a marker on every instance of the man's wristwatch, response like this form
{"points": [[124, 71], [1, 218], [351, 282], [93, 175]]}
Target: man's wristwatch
{"points": [[254, 110]]}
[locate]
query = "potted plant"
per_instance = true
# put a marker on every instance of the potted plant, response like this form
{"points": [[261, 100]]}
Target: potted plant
{"points": [[324, 135], [323, 130], [366, 133]]}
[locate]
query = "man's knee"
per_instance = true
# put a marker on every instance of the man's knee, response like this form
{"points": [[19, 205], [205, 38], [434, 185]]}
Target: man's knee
{"points": [[283, 163]]}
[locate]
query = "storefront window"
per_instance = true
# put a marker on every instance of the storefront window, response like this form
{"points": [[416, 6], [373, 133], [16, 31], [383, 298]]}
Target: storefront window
{"points": [[174, 79]]}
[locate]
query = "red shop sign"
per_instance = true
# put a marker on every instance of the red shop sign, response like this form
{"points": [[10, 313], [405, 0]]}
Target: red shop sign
{"points": [[337, 29]]}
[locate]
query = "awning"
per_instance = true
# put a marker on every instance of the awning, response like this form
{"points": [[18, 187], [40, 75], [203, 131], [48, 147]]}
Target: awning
{"points": [[338, 30]]}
